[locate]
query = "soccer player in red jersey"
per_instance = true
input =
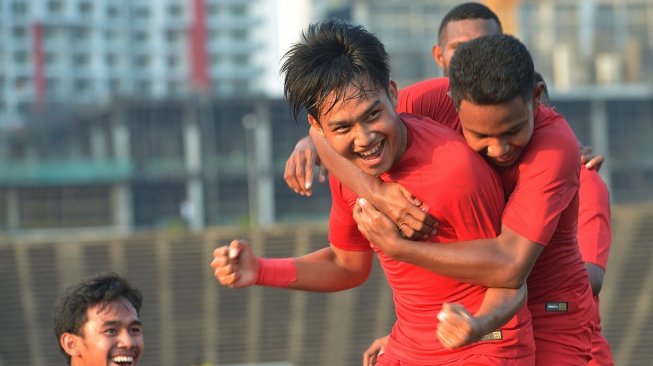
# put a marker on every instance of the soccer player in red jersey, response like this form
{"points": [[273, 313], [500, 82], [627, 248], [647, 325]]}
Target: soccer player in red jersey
{"points": [[536, 154], [339, 73], [594, 239]]}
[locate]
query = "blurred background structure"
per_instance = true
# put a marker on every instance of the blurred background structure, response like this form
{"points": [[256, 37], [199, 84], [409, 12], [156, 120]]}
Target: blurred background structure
{"points": [[138, 135]]}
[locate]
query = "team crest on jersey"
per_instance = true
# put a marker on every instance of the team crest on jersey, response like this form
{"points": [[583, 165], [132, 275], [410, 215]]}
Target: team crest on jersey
{"points": [[557, 307], [497, 335]]}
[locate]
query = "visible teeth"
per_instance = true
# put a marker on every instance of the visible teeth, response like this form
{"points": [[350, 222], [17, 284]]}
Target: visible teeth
{"points": [[371, 152], [119, 359]]}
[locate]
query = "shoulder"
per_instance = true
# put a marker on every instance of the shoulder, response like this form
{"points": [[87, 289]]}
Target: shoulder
{"points": [[592, 185], [437, 85], [553, 142], [341, 196]]}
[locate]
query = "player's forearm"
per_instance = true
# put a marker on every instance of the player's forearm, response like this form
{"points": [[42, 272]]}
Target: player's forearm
{"points": [[322, 271], [495, 262], [498, 307], [345, 171]]}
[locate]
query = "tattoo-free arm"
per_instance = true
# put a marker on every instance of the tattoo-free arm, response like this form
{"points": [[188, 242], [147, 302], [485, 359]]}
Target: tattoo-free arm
{"points": [[332, 269], [400, 205], [504, 261], [458, 327]]}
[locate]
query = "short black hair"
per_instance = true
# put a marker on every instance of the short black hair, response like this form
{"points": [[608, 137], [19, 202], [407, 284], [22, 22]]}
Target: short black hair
{"points": [[493, 69], [70, 308], [330, 56], [468, 11]]}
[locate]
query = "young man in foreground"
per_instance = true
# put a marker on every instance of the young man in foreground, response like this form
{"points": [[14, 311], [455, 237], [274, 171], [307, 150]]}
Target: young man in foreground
{"points": [[96, 322]]}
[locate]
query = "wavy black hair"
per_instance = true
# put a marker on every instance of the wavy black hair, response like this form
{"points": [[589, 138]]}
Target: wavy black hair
{"points": [[70, 308], [331, 56], [468, 11], [492, 69]]}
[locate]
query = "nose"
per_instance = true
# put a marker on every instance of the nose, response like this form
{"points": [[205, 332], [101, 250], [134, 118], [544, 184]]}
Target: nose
{"points": [[497, 148], [127, 340], [364, 136]]}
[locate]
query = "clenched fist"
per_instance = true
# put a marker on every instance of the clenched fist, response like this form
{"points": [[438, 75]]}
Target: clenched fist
{"points": [[235, 265]]}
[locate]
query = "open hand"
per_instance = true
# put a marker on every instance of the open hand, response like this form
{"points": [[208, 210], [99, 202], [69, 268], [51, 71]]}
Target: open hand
{"points": [[374, 350], [300, 167]]}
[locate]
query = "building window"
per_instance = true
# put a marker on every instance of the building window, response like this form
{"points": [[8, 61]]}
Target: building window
{"points": [[142, 61], [112, 11], [241, 59], [19, 7], [114, 85], [51, 58], [21, 83], [85, 8], [144, 87], [172, 36], [49, 33], [239, 35], [20, 57], [82, 85], [55, 7], [174, 10], [238, 9], [110, 59], [217, 58], [81, 59], [52, 85], [213, 8], [110, 35], [173, 61], [19, 33], [81, 34], [23, 108], [141, 36], [142, 12]]}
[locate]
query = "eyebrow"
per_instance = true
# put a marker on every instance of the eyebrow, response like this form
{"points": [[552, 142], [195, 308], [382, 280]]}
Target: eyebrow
{"points": [[117, 323], [512, 128], [366, 111]]}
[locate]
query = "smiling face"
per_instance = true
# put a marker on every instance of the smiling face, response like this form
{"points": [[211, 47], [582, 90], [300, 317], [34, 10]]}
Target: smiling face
{"points": [[457, 32], [364, 127], [499, 132], [112, 336]]}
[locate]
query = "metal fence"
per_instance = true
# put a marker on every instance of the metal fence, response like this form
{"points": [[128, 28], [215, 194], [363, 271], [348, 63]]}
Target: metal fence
{"points": [[190, 319]]}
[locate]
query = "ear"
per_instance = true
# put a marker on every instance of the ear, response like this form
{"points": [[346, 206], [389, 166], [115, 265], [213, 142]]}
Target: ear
{"points": [[438, 55], [537, 95], [315, 124], [393, 93], [70, 344]]}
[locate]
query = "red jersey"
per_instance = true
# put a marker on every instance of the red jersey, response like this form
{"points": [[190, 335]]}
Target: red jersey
{"points": [[594, 234], [465, 195], [594, 239], [542, 205]]}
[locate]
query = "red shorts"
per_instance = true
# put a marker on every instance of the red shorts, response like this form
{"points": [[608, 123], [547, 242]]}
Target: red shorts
{"points": [[601, 352], [567, 348]]}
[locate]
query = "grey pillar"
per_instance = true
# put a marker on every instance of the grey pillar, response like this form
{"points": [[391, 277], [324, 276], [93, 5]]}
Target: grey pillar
{"points": [[600, 141], [260, 175], [193, 163], [121, 192]]}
